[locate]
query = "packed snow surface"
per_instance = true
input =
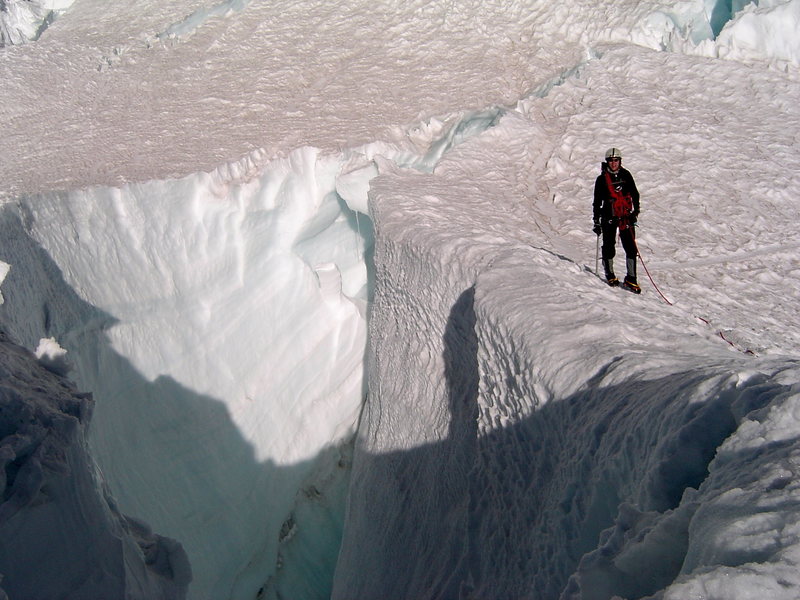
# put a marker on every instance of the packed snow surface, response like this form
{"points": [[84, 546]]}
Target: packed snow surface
{"points": [[304, 251]]}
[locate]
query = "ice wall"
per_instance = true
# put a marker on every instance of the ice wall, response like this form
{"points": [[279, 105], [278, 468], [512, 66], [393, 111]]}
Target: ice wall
{"points": [[763, 30], [219, 321]]}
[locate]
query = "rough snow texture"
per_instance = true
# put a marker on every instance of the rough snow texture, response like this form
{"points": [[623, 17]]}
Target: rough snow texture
{"points": [[524, 423], [155, 90], [532, 433], [53, 498]]}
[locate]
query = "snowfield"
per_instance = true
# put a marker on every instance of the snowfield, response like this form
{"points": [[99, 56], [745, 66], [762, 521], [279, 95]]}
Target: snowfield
{"points": [[327, 270]]}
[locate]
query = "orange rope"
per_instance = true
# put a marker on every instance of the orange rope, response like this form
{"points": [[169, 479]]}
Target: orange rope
{"points": [[639, 254]]}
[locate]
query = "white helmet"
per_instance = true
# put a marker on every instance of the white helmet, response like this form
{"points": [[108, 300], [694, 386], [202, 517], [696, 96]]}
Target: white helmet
{"points": [[613, 153]]}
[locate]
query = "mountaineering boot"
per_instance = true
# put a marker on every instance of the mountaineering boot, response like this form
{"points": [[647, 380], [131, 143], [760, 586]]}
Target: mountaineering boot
{"points": [[630, 282], [631, 286], [608, 267]]}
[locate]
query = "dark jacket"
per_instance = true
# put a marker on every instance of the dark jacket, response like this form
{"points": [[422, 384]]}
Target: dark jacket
{"points": [[602, 197]]}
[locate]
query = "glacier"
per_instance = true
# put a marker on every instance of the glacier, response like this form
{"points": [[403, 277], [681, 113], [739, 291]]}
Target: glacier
{"points": [[272, 250], [359, 350]]}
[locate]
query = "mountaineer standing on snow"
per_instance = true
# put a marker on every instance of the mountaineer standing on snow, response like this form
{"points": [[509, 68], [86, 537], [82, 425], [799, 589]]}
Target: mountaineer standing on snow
{"points": [[616, 205]]}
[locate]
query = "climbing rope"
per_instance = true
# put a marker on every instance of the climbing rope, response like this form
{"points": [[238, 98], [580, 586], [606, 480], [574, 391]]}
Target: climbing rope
{"points": [[639, 254], [719, 333]]}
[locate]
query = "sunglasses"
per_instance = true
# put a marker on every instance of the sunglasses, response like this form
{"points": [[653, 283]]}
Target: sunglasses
{"points": [[614, 159]]}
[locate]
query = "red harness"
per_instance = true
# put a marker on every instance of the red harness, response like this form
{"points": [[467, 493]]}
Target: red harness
{"points": [[621, 204]]}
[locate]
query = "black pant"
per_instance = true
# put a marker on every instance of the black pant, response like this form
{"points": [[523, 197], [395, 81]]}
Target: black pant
{"points": [[626, 236]]}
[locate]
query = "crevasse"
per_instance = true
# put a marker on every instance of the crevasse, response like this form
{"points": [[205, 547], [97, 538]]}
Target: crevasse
{"points": [[220, 322]]}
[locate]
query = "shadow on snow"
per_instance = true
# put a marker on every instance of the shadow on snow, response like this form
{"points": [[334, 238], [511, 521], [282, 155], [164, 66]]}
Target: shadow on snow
{"points": [[175, 458]]}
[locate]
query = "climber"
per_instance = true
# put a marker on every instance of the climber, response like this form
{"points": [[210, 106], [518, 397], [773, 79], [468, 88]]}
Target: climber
{"points": [[616, 206]]}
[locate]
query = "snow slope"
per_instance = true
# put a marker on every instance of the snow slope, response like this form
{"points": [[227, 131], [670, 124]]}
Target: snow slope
{"points": [[550, 437], [187, 215]]}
